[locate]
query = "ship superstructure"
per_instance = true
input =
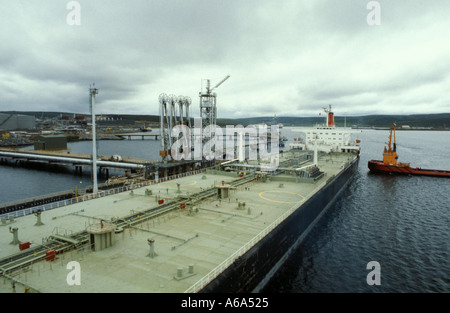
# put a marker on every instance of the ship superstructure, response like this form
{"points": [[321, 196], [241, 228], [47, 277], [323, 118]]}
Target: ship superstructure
{"points": [[327, 138]]}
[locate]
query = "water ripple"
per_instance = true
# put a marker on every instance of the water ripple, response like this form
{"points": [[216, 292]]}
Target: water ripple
{"points": [[401, 222]]}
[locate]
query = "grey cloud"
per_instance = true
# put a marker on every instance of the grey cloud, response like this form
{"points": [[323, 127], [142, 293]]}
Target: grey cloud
{"points": [[289, 57]]}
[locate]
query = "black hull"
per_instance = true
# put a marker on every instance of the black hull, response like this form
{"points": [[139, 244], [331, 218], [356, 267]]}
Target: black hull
{"points": [[252, 271]]}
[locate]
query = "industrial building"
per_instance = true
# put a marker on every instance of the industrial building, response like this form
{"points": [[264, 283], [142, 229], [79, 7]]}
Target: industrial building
{"points": [[17, 121], [50, 142]]}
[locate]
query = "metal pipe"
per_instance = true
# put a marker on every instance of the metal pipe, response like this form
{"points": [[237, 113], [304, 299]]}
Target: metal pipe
{"points": [[43, 157]]}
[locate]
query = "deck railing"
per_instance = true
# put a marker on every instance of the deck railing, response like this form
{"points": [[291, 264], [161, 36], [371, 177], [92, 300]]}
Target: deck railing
{"points": [[90, 196]]}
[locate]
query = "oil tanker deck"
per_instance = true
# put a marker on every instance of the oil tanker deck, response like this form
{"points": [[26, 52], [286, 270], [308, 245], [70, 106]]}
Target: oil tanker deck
{"points": [[225, 229]]}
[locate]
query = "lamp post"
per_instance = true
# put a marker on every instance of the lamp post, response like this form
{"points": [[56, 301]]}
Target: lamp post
{"points": [[94, 91]]}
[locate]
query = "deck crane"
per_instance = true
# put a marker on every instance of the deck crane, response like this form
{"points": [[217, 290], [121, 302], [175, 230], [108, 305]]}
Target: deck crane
{"points": [[208, 109], [390, 154], [218, 84]]}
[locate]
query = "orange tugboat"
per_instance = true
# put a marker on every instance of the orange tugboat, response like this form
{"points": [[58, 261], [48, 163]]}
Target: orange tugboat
{"points": [[389, 164]]}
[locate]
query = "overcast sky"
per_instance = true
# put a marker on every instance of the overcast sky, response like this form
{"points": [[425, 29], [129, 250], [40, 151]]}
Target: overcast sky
{"points": [[285, 57]]}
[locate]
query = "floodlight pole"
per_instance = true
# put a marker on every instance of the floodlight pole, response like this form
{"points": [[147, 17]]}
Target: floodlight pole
{"points": [[93, 92]]}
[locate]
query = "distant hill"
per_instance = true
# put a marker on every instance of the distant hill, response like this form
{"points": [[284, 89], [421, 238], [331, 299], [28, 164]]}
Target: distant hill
{"points": [[441, 120]]}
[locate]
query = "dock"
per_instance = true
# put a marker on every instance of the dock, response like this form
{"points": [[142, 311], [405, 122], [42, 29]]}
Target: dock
{"points": [[67, 158], [149, 169], [141, 135]]}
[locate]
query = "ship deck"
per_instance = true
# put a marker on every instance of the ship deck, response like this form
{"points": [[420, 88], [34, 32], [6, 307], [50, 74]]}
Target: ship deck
{"points": [[189, 243]]}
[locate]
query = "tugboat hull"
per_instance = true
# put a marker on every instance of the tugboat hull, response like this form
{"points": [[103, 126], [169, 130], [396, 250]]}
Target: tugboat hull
{"points": [[381, 168]]}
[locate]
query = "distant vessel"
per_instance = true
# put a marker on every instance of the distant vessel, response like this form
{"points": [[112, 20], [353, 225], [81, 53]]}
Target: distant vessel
{"points": [[389, 164]]}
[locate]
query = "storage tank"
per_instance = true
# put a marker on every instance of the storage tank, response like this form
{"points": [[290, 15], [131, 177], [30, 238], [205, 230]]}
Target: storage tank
{"points": [[17, 121], [101, 235]]}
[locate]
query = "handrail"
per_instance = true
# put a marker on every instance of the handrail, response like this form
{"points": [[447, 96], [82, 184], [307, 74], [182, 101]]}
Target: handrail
{"points": [[102, 193], [37, 198]]}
